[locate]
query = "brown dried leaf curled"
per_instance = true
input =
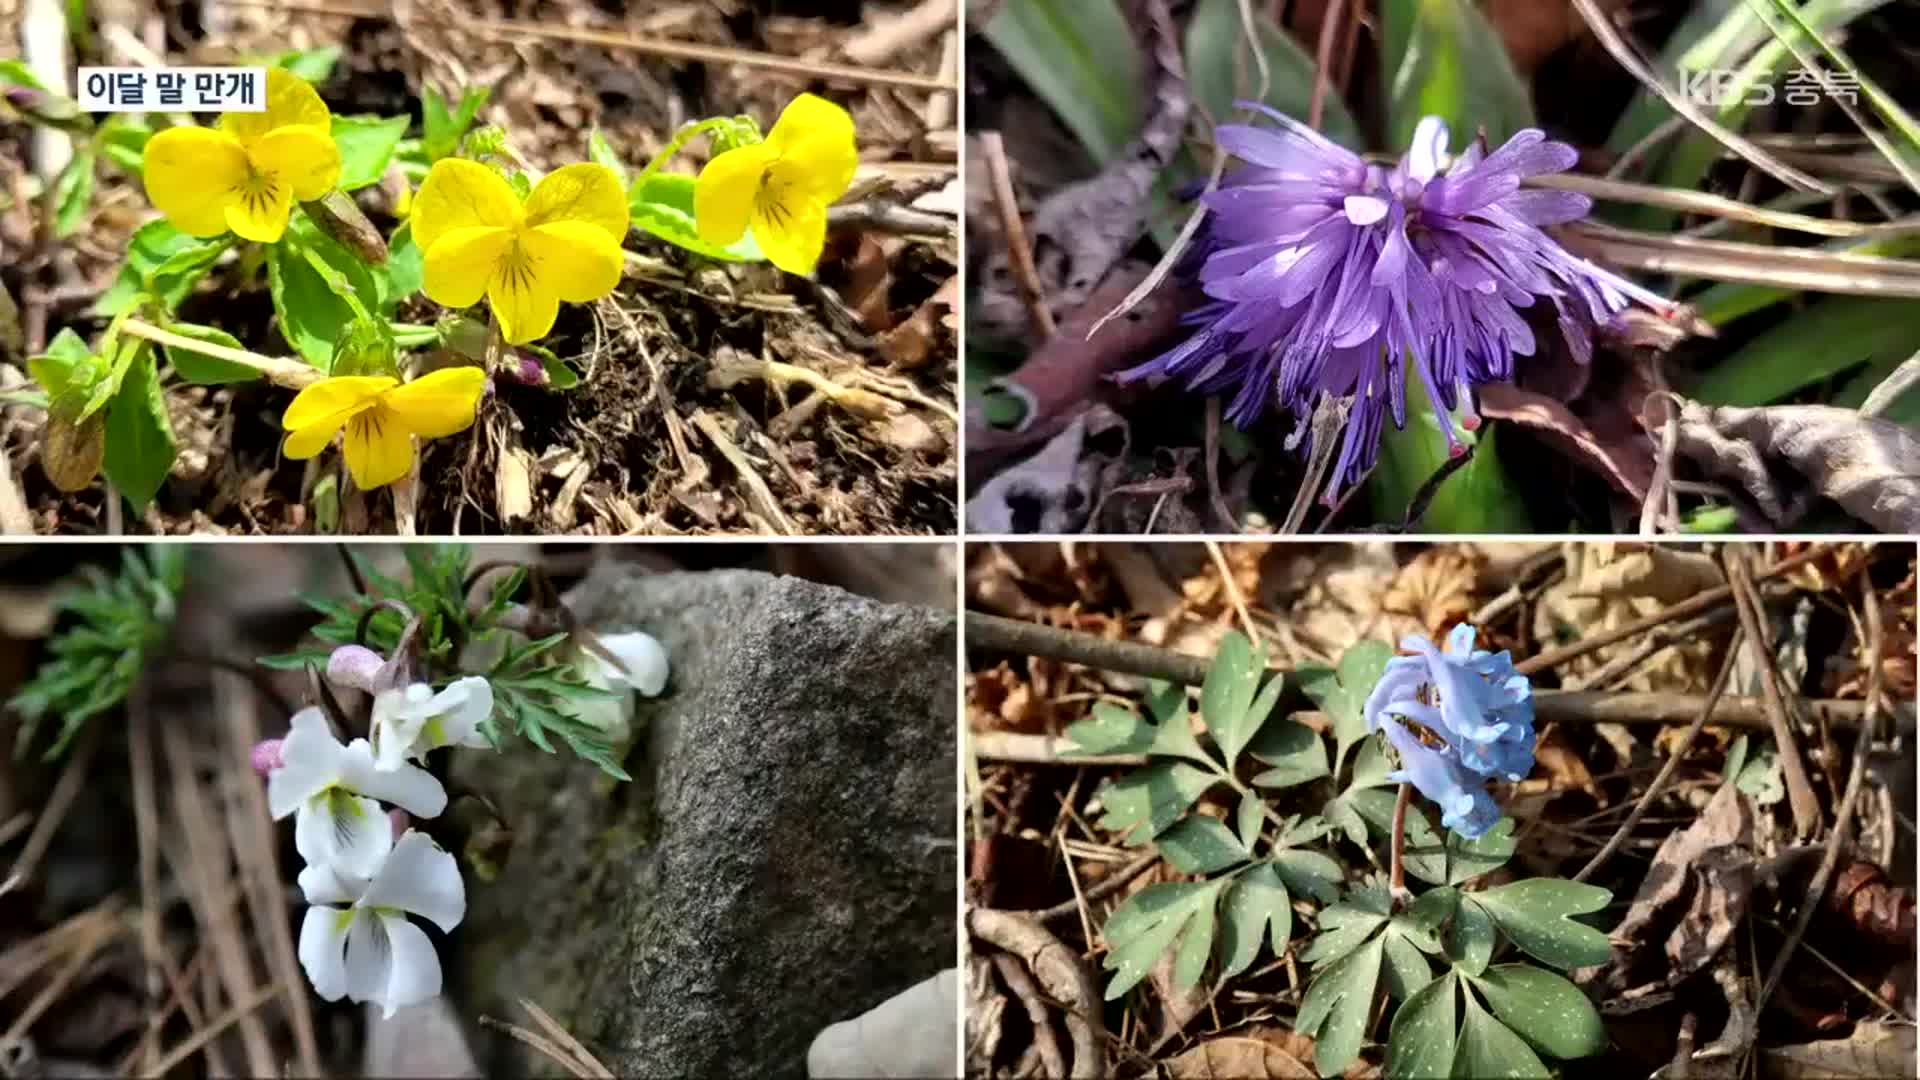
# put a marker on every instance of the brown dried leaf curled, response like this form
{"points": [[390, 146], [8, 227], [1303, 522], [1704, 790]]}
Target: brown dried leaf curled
{"points": [[1870, 467], [71, 452]]}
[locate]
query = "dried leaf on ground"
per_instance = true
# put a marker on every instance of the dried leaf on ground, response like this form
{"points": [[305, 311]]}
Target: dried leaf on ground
{"points": [[1237, 1056], [1436, 587], [1629, 468], [1607, 586], [1871, 467], [1873, 1049], [1710, 864]]}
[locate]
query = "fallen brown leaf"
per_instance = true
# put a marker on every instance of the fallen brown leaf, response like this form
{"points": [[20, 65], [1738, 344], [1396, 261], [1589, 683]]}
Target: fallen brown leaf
{"points": [[1237, 1056]]}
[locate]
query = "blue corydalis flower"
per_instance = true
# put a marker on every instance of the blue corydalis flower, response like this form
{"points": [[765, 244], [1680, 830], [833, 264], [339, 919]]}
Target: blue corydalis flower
{"points": [[1477, 711], [1327, 275]]}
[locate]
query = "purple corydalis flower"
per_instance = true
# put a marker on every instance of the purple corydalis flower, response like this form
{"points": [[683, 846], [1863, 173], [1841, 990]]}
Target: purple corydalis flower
{"points": [[1327, 275], [1478, 709]]}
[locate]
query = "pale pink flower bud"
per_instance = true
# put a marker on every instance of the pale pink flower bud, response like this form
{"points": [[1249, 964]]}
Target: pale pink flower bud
{"points": [[355, 667], [266, 756]]}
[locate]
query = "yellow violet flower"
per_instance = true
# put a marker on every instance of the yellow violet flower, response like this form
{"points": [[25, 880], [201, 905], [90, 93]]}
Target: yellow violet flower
{"points": [[781, 187], [478, 240], [245, 173], [381, 415]]}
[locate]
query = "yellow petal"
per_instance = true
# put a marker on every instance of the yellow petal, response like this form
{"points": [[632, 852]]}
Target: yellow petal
{"points": [[524, 304], [191, 174], [331, 401], [259, 211], [289, 101], [461, 264], [723, 196], [304, 158], [378, 448], [439, 403], [791, 233], [579, 262], [585, 192], [308, 441], [814, 138], [461, 194]]}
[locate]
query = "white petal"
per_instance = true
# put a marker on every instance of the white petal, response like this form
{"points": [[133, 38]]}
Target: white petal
{"points": [[1365, 209], [397, 721], [322, 884], [462, 707], [350, 833], [369, 957], [414, 973], [323, 943], [410, 787], [1428, 150], [422, 878], [309, 763], [643, 660]]}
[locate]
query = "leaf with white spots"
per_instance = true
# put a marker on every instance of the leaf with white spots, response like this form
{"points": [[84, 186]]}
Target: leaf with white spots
{"points": [[1469, 938], [1257, 905], [1227, 698], [1425, 852], [1468, 859], [1196, 943], [1311, 873], [1200, 844], [1537, 914], [1143, 803], [1249, 817], [1342, 694], [1112, 729], [1406, 966], [1142, 928], [1338, 1006], [1293, 749], [1487, 1049], [1544, 1009], [1421, 1041], [1344, 926]]}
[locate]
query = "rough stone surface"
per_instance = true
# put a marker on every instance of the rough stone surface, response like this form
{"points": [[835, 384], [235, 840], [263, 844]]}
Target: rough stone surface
{"points": [[782, 860]]}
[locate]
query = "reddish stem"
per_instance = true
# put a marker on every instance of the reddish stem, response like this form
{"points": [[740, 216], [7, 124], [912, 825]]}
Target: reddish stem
{"points": [[1398, 880]]}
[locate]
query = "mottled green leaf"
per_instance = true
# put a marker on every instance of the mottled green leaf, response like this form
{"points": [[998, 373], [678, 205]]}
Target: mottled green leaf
{"points": [[1421, 1042], [1342, 694], [1293, 749], [1256, 906], [1537, 915], [1487, 1048], [1200, 844], [1338, 1006], [1147, 924], [1470, 937], [1544, 1009], [1142, 804]]}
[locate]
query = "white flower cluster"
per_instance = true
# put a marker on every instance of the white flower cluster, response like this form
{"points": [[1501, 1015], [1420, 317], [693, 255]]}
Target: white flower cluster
{"points": [[366, 872]]}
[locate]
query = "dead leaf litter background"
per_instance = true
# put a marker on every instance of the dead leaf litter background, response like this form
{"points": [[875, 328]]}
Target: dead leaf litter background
{"points": [[1706, 886]]}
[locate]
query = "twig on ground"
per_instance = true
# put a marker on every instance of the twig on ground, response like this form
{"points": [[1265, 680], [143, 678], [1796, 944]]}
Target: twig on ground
{"points": [[892, 36], [1811, 269], [1892, 387], [1013, 231], [72, 778], [1843, 815], [1700, 202], [1232, 587], [1053, 1065], [1330, 20], [1660, 637], [1806, 809], [1102, 889], [1667, 768], [1060, 973], [1691, 606], [241, 1012], [557, 1043], [1212, 450], [759, 496], [864, 404]]}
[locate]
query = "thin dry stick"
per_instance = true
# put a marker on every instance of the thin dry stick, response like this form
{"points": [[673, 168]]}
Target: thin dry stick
{"points": [[1892, 387], [207, 856], [1806, 809], [1322, 62], [1719, 206], [241, 1011], [146, 816], [1232, 587], [65, 790], [1693, 605], [1667, 768], [993, 154], [1661, 637], [566, 1040], [1623, 51], [1053, 1064], [1843, 816], [1100, 890], [612, 39], [101, 922], [254, 841]]}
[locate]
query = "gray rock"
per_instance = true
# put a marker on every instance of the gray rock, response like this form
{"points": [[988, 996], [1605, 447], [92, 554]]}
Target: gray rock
{"points": [[784, 857]]}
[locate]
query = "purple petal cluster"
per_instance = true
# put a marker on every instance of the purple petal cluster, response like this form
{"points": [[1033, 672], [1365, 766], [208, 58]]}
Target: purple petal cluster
{"points": [[1327, 275], [1478, 709]]}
